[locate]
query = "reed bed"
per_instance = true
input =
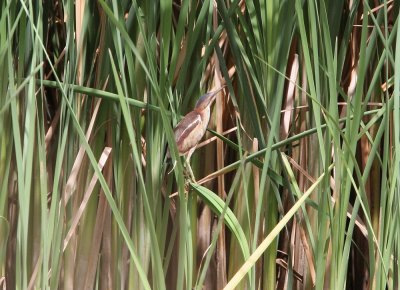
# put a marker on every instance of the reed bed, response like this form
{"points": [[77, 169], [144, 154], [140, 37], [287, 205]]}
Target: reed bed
{"points": [[296, 180]]}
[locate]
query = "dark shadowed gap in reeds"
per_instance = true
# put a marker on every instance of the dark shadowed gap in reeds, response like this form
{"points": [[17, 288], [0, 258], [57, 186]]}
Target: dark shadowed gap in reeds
{"points": [[297, 178]]}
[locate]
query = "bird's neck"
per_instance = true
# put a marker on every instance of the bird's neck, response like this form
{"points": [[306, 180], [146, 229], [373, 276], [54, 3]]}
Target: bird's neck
{"points": [[205, 114]]}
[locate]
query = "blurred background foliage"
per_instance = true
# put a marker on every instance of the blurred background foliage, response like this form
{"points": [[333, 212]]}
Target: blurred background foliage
{"points": [[296, 178]]}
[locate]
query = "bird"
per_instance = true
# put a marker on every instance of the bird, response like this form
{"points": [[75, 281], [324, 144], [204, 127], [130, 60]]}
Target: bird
{"points": [[191, 129]]}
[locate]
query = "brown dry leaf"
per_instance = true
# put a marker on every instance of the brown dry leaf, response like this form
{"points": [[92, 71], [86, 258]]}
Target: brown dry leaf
{"points": [[102, 161], [289, 102], [71, 182], [79, 14]]}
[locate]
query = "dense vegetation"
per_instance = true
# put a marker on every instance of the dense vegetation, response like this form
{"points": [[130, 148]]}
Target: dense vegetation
{"points": [[297, 180]]}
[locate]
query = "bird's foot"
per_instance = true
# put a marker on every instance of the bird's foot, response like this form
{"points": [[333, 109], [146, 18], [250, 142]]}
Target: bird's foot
{"points": [[187, 187], [189, 176]]}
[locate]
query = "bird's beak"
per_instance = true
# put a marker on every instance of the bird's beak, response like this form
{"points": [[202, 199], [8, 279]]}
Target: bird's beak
{"points": [[213, 93], [207, 99]]}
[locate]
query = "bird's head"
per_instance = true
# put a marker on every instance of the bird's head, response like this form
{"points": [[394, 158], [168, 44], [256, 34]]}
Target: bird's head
{"points": [[206, 99]]}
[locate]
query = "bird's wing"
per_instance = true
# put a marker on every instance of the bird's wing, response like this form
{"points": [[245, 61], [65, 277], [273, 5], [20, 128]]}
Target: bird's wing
{"points": [[185, 132]]}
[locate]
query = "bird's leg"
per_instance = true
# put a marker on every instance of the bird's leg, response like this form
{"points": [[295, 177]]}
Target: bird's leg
{"points": [[188, 167], [189, 177], [189, 170]]}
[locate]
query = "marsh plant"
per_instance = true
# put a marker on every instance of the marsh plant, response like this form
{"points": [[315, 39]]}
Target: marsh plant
{"points": [[295, 180]]}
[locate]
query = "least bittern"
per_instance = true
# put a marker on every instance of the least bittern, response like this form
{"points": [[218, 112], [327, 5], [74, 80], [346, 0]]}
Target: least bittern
{"points": [[189, 131]]}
